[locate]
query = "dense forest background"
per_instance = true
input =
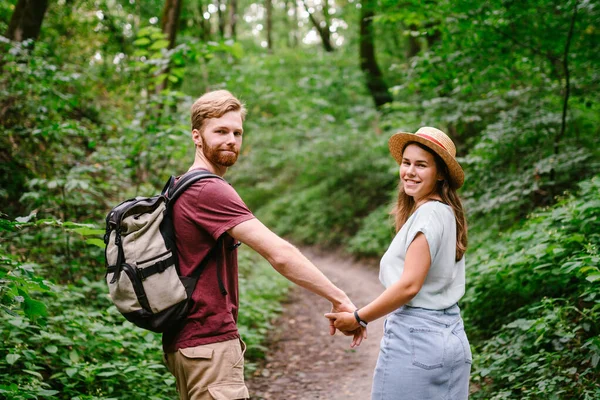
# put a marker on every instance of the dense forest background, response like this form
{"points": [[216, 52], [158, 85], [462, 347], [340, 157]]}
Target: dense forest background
{"points": [[94, 109]]}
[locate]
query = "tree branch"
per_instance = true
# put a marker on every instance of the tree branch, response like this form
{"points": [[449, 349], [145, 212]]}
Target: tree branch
{"points": [[563, 126], [323, 32], [567, 79]]}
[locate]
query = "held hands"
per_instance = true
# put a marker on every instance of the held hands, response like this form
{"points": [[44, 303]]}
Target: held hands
{"points": [[342, 318], [344, 321]]}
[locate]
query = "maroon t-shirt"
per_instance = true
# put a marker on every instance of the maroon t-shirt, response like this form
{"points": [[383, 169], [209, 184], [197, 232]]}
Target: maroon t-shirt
{"points": [[204, 212]]}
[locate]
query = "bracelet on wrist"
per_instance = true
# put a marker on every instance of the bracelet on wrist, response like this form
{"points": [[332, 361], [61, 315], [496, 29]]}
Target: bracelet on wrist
{"points": [[360, 321]]}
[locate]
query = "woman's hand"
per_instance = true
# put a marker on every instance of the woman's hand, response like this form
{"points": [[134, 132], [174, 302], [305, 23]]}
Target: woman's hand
{"points": [[344, 321]]}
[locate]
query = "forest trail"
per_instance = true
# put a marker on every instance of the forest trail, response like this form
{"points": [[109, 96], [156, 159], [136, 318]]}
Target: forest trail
{"points": [[303, 361]]}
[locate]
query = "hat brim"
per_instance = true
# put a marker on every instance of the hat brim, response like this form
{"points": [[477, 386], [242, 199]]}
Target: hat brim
{"points": [[399, 140]]}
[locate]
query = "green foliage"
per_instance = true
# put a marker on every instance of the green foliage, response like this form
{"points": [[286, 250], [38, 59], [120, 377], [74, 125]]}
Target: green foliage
{"points": [[84, 124], [551, 352], [261, 293], [375, 233], [68, 341], [72, 258], [341, 179], [535, 173], [153, 57], [43, 111], [17, 281], [533, 303], [84, 349]]}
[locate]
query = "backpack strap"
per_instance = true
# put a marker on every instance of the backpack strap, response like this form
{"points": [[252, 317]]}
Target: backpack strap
{"points": [[172, 191], [213, 252], [219, 245]]}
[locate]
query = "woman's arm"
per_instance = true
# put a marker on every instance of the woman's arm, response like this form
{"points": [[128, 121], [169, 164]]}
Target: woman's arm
{"points": [[416, 267]]}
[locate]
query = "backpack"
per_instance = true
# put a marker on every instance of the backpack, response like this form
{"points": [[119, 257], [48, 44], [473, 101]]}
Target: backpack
{"points": [[142, 269]]}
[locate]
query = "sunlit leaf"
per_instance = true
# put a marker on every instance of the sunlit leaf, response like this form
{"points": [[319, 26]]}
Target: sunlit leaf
{"points": [[159, 44], [46, 392], [145, 31], [593, 277], [34, 373], [108, 373], [142, 42], [12, 358], [96, 242], [27, 218], [74, 356], [86, 231]]}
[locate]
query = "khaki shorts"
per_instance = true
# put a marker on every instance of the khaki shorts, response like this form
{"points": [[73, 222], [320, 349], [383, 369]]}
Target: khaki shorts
{"points": [[210, 372]]}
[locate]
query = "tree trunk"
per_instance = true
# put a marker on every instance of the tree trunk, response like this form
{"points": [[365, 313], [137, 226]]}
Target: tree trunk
{"points": [[567, 74], [27, 19], [292, 23], [233, 18], [204, 23], [413, 44], [269, 7], [222, 21], [170, 20], [170, 23], [433, 34], [327, 19], [322, 30], [368, 63]]}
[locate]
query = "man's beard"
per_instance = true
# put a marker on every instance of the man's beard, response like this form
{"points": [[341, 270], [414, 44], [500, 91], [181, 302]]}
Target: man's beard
{"points": [[223, 159]]}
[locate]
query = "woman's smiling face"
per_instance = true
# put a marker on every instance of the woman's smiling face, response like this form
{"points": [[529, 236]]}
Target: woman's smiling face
{"points": [[419, 173]]}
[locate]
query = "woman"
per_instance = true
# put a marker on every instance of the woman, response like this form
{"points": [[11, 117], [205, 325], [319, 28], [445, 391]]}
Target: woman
{"points": [[424, 352]]}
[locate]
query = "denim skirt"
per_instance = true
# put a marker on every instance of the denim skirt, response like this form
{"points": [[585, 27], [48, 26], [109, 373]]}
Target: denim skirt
{"points": [[424, 354]]}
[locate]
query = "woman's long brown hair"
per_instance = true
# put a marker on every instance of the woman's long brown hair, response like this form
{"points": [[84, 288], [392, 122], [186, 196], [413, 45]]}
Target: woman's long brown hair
{"points": [[406, 204]]}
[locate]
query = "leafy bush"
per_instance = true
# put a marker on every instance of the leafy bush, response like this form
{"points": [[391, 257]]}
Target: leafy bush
{"points": [[551, 352], [520, 168], [43, 111], [68, 341], [79, 351], [375, 234], [533, 303], [261, 292]]}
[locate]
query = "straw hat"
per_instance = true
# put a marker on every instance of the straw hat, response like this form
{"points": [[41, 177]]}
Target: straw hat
{"points": [[437, 141]]}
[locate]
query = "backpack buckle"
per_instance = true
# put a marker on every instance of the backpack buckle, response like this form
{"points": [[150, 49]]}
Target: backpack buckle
{"points": [[140, 275], [162, 266]]}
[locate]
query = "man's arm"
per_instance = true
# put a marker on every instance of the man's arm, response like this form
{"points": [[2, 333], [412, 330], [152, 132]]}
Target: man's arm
{"points": [[292, 264]]}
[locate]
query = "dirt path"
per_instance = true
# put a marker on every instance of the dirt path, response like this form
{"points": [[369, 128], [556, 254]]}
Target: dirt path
{"points": [[304, 362]]}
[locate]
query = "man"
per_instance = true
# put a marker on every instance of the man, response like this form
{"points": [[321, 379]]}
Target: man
{"points": [[205, 354]]}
